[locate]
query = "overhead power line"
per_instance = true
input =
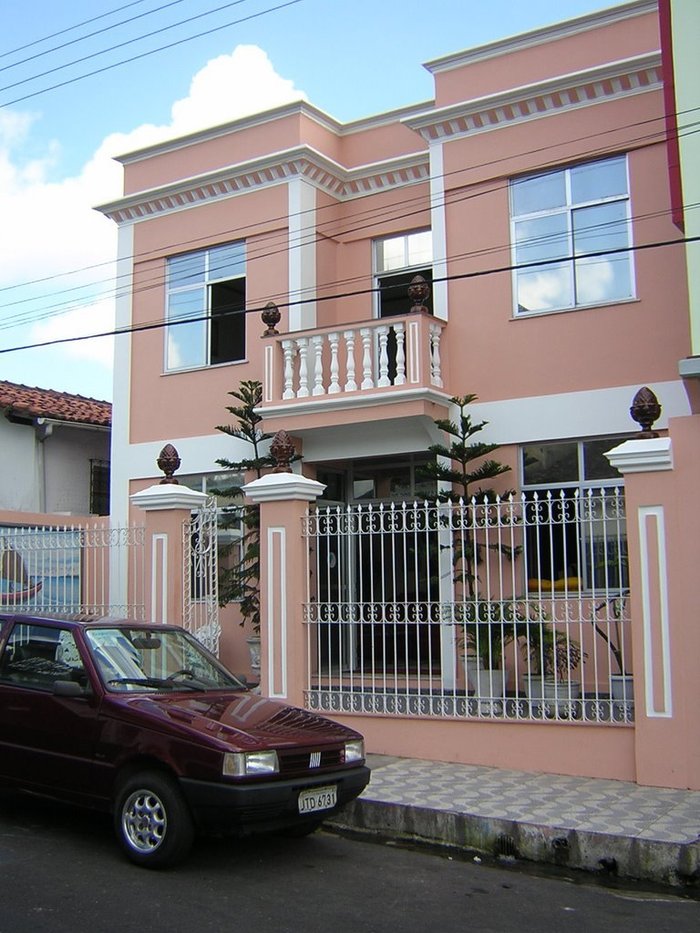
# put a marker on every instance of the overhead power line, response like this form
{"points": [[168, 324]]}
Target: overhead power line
{"points": [[162, 48], [88, 35], [62, 32], [361, 221], [159, 325]]}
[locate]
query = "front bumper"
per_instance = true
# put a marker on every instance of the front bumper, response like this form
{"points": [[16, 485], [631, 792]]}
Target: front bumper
{"points": [[265, 805]]}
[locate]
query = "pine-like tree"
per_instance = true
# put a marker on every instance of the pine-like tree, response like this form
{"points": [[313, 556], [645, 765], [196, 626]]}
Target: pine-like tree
{"points": [[242, 581]]}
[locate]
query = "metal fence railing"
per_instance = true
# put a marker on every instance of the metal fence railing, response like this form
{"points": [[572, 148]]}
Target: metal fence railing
{"points": [[513, 609]]}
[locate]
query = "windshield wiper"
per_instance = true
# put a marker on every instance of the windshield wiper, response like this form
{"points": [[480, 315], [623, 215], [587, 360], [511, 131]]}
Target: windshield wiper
{"points": [[154, 682]]}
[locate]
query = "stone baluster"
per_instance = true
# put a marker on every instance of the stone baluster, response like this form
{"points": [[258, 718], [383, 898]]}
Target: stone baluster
{"points": [[334, 385], [350, 384], [288, 349], [367, 380], [303, 348], [383, 333], [435, 364], [317, 343], [400, 378]]}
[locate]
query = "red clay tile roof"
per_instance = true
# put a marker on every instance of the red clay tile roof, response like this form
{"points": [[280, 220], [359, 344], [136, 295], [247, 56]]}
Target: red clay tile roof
{"points": [[47, 403]]}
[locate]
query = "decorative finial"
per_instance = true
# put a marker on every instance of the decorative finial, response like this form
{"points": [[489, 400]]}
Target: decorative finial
{"points": [[645, 411], [271, 316], [169, 461], [282, 449], [418, 292]]}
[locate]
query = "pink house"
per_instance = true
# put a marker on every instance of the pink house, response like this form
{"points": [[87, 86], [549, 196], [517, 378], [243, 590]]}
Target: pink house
{"points": [[532, 198]]}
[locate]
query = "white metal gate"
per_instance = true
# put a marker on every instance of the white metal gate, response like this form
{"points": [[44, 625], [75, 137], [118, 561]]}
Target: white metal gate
{"points": [[200, 591]]}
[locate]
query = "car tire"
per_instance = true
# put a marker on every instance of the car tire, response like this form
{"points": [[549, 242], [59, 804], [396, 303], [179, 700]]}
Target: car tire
{"points": [[152, 821]]}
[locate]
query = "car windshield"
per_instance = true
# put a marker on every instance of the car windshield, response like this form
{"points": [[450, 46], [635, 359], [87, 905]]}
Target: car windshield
{"points": [[155, 659]]}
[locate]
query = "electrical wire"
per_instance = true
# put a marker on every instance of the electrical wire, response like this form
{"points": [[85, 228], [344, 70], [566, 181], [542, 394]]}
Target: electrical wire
{"points": [[162, 48], [159, 325]]}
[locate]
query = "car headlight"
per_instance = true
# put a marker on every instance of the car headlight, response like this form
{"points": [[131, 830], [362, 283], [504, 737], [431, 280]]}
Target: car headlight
{"points": [[354, 751], [242, 764]]}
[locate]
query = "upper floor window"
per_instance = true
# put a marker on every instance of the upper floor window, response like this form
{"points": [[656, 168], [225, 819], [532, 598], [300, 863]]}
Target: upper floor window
{"points": [[206, 292], [397, 260], [558, 219]]}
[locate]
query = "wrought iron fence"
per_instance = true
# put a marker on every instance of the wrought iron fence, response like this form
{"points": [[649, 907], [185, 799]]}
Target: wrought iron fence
{"points": [[511, 609], [73, 570]]}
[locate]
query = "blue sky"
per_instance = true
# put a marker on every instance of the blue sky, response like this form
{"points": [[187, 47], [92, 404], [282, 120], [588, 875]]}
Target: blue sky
{"points": [[351, 58]]}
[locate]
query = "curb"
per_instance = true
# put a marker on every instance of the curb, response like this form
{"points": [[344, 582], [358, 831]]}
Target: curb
{"points": [[629, 858]]}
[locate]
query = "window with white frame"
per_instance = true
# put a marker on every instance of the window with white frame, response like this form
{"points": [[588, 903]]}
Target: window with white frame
{"points": [[575, 532], [206, 307], [397, 260], [558, 220]]}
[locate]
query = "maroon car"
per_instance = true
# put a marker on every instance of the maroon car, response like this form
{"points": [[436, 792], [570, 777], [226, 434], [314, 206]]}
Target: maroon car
{"points": [[143, 721]]}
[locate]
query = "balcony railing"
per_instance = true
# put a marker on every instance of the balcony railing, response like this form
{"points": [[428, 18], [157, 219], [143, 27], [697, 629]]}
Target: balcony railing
{"points": [[388, 355]]}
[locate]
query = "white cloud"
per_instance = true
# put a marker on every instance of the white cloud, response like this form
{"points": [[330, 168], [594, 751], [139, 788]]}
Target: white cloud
{"points": [[50, 227]]}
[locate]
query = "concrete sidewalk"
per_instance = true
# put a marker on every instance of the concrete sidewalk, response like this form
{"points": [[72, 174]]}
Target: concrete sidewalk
{"points": [[645, 833]]}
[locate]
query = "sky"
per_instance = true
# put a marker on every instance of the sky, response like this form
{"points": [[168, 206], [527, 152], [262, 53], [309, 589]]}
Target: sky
{"points": [[86, 80]]}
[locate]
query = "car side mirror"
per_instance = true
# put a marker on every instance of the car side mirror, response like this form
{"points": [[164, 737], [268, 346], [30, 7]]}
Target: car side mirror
{"points": [[67, 688]]}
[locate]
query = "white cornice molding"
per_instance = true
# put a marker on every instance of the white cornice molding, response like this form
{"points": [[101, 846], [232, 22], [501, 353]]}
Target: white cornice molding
{"points": [[540, 36], [302, 161], [296, 108], [351, 401], [530, 102], [645, 455], [280, 487]]}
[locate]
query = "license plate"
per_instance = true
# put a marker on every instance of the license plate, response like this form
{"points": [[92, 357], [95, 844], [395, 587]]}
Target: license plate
{"points": [[318, 798]]}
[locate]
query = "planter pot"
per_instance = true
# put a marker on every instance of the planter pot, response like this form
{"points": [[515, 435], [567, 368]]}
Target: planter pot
{"points": [[561, 690], [472, 664], [254, 648], [622, 687], [533, 685], [490, 684]]}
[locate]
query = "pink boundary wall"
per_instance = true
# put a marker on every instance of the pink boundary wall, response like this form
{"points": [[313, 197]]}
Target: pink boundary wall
{"points": [[662, 748]]}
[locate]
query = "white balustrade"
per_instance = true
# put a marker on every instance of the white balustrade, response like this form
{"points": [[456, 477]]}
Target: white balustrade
{"points": [[324, 363]]}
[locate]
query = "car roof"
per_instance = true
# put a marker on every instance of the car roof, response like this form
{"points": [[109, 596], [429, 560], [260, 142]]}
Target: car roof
{"points": [[78, 620]]}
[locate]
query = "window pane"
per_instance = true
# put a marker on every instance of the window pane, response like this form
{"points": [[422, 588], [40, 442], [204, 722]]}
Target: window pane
{"points": [[538, 193], [597, 180], [550, 463], [391, 254], [190, 303], [602, 278], [595, 464], [600, 228], [545, 288], [420, 248], [228, 321], [544, 238], [186, 345], [227, 262], [186, 270]]}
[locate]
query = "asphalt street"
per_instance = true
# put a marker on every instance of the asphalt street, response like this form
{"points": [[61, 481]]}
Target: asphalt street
{"points": [[60, 870]]}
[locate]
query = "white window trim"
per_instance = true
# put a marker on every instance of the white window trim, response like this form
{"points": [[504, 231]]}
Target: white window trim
{"points": [[379, 273], [205, 284], [568, 210]]}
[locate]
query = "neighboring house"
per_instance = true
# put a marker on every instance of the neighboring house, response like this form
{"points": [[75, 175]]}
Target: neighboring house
{"points": [[56, 452], [532, 196]]}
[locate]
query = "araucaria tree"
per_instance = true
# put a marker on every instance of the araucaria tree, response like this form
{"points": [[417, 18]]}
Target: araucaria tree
{"points": [[463, 469], [241, 582]]}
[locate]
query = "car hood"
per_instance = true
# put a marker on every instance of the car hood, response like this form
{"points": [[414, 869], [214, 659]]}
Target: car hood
{"points": [[240, 719]]}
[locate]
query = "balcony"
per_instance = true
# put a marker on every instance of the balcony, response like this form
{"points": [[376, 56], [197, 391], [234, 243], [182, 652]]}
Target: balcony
{"points": [[389, 367]]}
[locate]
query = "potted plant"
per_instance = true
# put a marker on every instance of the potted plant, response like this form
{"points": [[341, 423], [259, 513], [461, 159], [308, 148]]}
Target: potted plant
{"points": [[621, 681], [552, 657], [482, 637]]}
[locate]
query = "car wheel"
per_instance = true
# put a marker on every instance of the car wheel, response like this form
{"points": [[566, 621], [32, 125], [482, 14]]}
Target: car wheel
{"points": [[152, 821]]}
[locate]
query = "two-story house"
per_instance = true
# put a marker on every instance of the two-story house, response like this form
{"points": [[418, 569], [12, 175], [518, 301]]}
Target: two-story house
{"points": [[532, 196]]}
